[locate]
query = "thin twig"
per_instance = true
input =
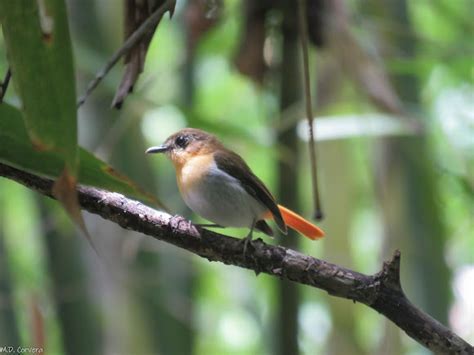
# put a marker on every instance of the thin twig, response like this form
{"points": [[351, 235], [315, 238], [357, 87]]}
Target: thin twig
{"points": [[4, 84], [303, 26], [381, 291], [131, 42]]}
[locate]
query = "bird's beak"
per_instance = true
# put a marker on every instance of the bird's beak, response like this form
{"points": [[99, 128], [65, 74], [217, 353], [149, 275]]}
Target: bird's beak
{"points": [[159, 149]]}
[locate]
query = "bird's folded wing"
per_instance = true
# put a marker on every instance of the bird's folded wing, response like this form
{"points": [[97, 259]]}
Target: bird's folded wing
{"points": [[235, 166]]}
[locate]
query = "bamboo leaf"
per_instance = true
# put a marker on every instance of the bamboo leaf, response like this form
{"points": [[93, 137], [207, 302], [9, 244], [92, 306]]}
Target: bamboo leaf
{"points": [[39, 51], [17, 150]]}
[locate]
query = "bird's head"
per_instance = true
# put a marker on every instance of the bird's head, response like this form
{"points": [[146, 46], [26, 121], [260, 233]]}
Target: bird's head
{"points": [[186, 144]]}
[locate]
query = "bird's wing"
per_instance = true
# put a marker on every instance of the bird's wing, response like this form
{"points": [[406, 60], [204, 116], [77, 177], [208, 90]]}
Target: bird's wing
{"points": [[235, 166]]}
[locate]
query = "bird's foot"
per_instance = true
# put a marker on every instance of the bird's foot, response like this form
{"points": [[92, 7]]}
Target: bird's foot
{"points": [[246, 242]]}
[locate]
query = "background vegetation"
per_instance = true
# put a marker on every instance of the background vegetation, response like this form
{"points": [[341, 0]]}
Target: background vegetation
{"points": [[395, 129]]}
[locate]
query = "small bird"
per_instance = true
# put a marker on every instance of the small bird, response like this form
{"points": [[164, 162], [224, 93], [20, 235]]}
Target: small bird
{"points": [[218, 185]]}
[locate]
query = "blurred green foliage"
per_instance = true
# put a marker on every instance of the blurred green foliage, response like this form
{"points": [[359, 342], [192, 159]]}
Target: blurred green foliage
{"points": [[233, 311]]}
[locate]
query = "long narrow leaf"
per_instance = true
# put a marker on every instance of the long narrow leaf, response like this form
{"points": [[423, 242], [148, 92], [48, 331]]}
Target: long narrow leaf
{"points": [[39, 52], [17, 150]]}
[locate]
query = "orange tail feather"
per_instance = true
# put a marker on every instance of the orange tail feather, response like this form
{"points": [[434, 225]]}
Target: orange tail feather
{"points": [[299, 224]]}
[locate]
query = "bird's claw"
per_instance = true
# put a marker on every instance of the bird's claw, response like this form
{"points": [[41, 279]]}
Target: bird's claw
{"points": [[246, 242]]}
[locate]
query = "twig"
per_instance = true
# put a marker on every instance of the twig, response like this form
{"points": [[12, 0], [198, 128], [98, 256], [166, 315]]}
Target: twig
{"points": [[303, 27], [131, 42], [382, 291], [4, 84]]}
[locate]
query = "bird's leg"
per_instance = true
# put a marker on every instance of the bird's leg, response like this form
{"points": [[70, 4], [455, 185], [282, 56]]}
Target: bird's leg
{"points": [[248, 238], [208, 225]]}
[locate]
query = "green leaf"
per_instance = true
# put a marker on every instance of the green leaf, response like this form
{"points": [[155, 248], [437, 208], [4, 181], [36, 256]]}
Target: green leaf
{"points": [[36, 35], [17, 150]]}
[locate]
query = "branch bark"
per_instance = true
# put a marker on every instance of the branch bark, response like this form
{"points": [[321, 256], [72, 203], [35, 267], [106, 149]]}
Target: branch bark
{"points": [[381, 291]]}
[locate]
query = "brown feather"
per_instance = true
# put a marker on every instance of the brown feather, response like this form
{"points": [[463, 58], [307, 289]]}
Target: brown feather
{"points": [[235, 166], [263, 227]]}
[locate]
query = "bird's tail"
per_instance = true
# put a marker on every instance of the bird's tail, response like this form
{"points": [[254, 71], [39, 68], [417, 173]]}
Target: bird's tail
{"points": [[299, 224]]}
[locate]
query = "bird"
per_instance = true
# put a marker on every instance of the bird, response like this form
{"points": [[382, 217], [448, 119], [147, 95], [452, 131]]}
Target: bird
{"points": [[217, 184]]}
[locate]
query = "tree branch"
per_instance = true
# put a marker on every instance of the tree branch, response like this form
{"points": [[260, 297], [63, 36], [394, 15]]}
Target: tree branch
{"points": [[381, 292]]}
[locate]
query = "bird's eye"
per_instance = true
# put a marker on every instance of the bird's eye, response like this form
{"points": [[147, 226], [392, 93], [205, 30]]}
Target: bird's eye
{"points": [[181, 141]]}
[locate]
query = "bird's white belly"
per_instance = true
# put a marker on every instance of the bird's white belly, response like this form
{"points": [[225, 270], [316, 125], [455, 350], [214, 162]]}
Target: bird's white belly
{"points": [[219, 198]]}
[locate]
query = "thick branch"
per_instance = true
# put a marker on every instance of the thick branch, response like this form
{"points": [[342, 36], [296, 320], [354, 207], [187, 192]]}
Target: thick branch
{"points": [[381, 291]]}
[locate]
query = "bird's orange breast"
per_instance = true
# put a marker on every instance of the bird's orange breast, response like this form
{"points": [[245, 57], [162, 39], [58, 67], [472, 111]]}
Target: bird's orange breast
{"points": [[190, 174]]}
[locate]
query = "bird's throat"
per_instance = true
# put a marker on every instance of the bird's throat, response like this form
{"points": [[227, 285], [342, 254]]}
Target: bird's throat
{"points": [[190, 173]]}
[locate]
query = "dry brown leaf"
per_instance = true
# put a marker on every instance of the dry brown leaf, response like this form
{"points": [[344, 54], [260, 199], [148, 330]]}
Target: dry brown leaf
{"points": [[198, 21], [136, 12], [316, 13], [64, 190], [249, 60]]}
